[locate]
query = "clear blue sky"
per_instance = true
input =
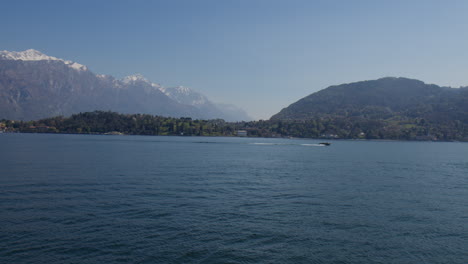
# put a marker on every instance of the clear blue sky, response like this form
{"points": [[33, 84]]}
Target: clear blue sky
{"points": [[261, 55]]}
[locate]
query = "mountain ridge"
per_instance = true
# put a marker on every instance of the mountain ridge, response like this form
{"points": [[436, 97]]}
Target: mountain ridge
{"points": [[34, 85], [384, 98], [387, 108], [35, 55]]}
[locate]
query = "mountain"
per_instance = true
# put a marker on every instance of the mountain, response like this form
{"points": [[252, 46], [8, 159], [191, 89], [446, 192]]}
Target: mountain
{"points": [[187, 96], [232, 112], [34, 55], [387, 108], [34, 85], [383, 99]]}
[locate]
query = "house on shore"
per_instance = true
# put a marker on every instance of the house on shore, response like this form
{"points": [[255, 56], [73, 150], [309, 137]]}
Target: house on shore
{"points": [[241, 133]]}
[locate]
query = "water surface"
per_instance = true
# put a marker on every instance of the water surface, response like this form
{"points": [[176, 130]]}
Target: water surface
{"points": [[144, 199]]}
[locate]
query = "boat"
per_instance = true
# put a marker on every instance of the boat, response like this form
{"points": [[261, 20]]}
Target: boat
{"points": [[325, 143]]}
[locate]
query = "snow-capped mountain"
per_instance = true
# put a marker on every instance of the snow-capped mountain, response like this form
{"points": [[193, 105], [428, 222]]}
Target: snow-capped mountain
{"points": [[188, 96], [134, 78], [138, 78], [34, 85], [34, 55], [185, 95]]}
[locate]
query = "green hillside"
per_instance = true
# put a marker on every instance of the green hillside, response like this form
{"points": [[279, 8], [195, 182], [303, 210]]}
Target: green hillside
{"points": [[382, 99]]}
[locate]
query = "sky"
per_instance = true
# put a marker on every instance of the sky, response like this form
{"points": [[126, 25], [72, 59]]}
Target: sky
{"points": [[261, 55]]}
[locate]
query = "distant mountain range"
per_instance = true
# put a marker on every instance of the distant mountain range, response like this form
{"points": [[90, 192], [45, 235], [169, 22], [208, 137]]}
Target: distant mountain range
{"points": [[34, 85], [383, 99], [387, 108]]}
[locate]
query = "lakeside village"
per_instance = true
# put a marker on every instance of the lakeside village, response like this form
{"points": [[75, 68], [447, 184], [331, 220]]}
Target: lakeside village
{"points": [[53, 130], [110, 123]]}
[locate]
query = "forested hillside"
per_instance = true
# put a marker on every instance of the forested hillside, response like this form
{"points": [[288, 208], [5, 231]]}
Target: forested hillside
{"points": [[383, 99], [100, 122]]}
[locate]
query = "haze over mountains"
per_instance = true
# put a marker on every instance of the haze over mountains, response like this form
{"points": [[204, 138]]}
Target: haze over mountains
{"points": [[34, 85]]}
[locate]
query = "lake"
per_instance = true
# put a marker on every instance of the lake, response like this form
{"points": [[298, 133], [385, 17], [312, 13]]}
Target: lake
{"points": [[155, 199]]}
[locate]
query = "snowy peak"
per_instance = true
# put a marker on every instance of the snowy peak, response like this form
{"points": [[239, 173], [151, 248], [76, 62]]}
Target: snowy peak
{"points": [[185, 95], [81, 92], [27, 55], [177, 90], [136, 78], [34, 55], [75, 65]]}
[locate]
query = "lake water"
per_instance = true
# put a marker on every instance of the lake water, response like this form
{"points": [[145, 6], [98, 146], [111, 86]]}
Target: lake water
{"points": [[143, 199]]}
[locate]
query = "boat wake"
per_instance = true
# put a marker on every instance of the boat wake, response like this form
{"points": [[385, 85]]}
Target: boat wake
{"points": [[276, 144], [269, 144]]}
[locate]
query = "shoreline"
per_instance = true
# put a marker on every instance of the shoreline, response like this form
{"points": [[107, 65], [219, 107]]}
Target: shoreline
{"points": [[248, 137]]}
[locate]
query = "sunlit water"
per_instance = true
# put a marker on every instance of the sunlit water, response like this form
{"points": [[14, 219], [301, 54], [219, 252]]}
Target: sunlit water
{"points": [[138, 199]]}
